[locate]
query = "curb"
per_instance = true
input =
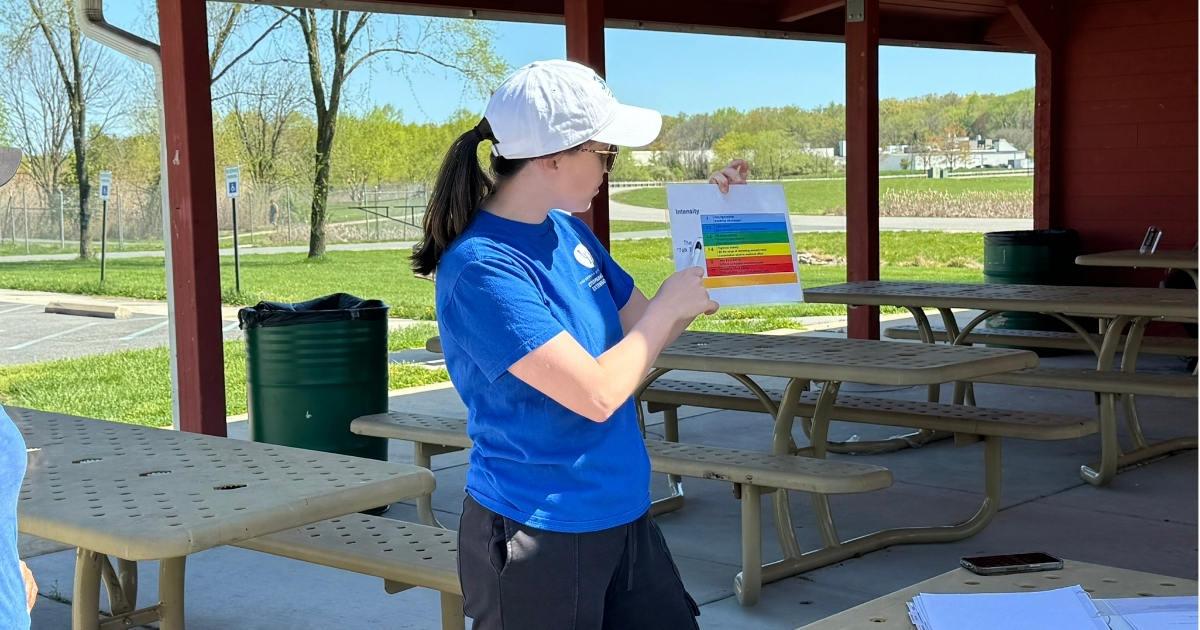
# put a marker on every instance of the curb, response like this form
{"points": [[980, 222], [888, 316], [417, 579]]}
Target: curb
{"points": [[105, 311]]}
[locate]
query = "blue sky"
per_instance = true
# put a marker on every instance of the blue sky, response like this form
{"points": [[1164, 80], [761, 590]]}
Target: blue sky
{"points": [[674, 72]]}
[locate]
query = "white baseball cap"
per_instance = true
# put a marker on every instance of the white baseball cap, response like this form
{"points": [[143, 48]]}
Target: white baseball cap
{"points": [[10, 161], [550, 106]]}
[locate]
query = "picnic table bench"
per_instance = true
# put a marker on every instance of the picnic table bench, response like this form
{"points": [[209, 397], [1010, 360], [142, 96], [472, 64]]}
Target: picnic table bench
{"points": [[1186, 261], [831, 361], [751, 472], [404, 555], [1170, 346], [138, 493], [1118, 307]]}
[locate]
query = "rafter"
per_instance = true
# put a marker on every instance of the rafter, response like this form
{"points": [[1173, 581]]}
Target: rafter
{"points": [[793, 10], [1038, 21]]}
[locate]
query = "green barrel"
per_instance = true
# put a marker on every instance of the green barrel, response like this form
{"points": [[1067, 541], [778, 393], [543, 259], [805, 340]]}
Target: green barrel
{"points": [[1029, 257], [312, 368]]}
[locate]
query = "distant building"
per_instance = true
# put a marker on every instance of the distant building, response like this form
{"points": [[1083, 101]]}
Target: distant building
{"points": [[646, 158], [982, 153]]}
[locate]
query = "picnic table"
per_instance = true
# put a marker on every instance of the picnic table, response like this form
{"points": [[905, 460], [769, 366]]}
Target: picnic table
{"points": [[831, 362], [1186, 261], [890, 612], [1117, 307], [139, 493]]}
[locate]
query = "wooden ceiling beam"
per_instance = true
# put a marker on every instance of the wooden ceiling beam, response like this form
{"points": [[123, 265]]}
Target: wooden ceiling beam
{"points": [[794, 10], [696, 16], [1038, 21], [1005, 31]]}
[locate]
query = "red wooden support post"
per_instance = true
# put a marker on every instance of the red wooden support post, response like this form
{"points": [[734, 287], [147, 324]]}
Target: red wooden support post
{"points": [[862, 157], [1040, 24], [190, 172], [585, 44]]}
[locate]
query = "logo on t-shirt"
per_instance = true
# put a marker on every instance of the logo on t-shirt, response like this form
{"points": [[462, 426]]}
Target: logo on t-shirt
{"points": [[584, 256]]}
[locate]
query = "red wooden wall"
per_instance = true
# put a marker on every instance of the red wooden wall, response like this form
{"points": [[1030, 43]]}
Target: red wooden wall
{"points": [[1129, 125]]}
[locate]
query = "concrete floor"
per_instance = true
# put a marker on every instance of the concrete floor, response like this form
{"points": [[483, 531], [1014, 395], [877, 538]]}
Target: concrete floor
{"points": [[1147, 521]]}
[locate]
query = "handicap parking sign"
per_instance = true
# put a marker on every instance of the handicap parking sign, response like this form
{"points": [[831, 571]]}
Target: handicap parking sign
{"points": [[105, 184], [232, 182]]}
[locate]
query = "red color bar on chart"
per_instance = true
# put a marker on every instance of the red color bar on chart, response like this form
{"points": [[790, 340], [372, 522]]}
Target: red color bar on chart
{"points": [[749, 265]]}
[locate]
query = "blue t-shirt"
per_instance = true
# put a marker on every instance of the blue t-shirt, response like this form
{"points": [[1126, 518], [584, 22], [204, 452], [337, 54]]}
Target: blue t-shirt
{"points": [[504, 289], [14, 611]]}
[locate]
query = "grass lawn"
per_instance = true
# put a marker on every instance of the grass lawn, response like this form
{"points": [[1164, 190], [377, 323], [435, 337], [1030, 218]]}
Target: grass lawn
{"points": [[8, 248], [134, 386], [413, 336], [636, 226], [933, 256], [817, 197]]}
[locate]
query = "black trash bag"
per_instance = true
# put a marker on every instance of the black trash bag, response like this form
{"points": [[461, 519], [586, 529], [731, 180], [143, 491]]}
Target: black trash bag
{"points": [[338, 307]]}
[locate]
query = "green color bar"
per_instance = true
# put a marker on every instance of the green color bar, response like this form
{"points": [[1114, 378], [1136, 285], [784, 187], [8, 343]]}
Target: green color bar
{"points": [[746, 238]]}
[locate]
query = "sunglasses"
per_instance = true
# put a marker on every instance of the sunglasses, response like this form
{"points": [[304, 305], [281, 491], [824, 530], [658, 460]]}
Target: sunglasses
{"points": [[610, 156]]}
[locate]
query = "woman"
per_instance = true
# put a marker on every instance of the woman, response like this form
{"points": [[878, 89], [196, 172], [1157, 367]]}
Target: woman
{"points": [[18, 591], [545, 339]]}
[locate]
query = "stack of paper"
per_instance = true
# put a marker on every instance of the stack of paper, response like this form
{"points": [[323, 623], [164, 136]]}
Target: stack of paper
{"points": [[1061, 609]]}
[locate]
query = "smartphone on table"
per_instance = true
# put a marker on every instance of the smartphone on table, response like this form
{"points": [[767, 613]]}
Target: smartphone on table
{"points": [[1011, 563]]}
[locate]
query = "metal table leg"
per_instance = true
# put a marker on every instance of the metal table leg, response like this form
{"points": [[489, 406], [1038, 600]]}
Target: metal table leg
{"points": [[1101, 473], [748, 583], [423, 457], [91, 568], [170, 593], [1112, 458], [85, 608], [675, 500]]}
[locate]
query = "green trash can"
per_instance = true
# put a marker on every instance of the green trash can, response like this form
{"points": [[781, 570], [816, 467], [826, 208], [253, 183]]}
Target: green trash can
{"points": [[312, 368], [1029, 257]]}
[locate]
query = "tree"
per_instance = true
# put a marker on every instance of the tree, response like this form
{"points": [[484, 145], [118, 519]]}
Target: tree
{"points": [[80, 68], [955, 146], [41, 118], [227, 29], [334, 53], [368, 149], [263, 109]]}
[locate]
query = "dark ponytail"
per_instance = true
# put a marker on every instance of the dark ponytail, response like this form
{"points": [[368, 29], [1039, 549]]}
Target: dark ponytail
{"points": [[460, 187]]}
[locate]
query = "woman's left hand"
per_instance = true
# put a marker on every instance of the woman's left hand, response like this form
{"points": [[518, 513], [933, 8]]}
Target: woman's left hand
{"points": [[735, 173], [31, 589]]}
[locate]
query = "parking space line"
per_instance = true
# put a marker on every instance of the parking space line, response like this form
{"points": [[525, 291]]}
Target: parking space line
{"points": [[144, 331], [17, 308], [47, 337], [229, 327]]}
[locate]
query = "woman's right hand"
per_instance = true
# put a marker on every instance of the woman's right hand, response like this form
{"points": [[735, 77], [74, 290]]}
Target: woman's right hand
{"points": [[684, 294]]}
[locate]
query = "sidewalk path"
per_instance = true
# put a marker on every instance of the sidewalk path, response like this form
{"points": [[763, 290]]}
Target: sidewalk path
{"points": [[618, 212], [822, 223]]}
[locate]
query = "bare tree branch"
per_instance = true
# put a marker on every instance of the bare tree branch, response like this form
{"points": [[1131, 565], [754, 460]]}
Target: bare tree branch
{"points": [[217, 76]]}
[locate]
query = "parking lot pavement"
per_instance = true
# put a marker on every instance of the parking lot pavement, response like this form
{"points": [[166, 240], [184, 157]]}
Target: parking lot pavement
{"points": [[29, 334]]}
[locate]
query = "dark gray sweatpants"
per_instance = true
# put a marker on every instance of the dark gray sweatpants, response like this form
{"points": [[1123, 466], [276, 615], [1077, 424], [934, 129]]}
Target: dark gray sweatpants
{"points": [[515, 577]]}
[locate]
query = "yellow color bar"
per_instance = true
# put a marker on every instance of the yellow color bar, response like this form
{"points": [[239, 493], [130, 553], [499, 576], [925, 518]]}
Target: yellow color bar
{"points": [[747, 251], [750, 281]]}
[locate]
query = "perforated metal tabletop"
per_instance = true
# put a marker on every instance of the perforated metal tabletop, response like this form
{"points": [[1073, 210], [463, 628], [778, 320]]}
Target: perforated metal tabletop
{"points": [[1096, 301], [141, 493], [890, 612], [847, 360], [1163, 259]]}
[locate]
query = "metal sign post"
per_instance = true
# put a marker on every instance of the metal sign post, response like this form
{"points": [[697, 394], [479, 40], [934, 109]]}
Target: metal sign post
{"points": [[105, 189], [233, 189], [62, 224]]}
